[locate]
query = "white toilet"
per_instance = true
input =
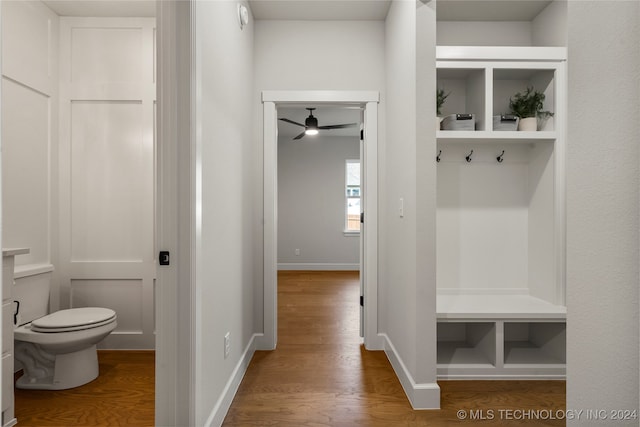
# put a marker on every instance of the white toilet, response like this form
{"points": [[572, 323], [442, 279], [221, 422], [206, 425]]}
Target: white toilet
{"points": [[58, 350]]}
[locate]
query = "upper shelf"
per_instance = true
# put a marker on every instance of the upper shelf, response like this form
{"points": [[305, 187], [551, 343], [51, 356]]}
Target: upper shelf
{"points": [[482, 80], [501, 53], [515, 137]]}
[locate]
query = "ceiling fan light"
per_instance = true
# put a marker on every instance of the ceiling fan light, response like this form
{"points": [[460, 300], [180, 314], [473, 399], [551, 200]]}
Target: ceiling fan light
{"points": [[311, 131]]}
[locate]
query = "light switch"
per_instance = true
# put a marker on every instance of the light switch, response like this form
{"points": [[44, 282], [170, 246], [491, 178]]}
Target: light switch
{"points": [[401, 207]]}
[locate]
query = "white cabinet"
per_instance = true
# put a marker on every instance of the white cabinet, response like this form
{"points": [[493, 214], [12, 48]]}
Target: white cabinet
{"points": [[501, 217], [8, 264]]}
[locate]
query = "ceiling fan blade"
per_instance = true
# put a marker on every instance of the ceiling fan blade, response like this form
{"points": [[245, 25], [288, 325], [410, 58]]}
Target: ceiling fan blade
{"points": [[292, 122], [299, 136], [346, 125]]}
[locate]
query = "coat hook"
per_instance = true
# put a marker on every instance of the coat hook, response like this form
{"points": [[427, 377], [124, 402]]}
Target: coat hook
{"points": [[469, 157], [438, 156], [500, 158]]}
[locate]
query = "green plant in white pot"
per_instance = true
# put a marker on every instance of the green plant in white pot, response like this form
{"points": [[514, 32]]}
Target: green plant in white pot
{"points": [[528, 106]]}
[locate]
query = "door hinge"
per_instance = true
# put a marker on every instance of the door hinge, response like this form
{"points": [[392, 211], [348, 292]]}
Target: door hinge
{"points": [[361, 134], [361, 301], [361, 217]]}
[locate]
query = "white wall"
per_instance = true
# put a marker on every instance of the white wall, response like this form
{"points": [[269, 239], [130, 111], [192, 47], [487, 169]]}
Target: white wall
{"points": [[398, 259], [29, 131], [106, 179], [407, 253], [484, 33], [602, 208], [319, 55], [87, 76], [311, 203], [226, 202], [549, 28]]}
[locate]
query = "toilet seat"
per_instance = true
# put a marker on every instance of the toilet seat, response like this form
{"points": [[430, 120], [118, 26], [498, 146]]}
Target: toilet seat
{"points": [[73, 319]]}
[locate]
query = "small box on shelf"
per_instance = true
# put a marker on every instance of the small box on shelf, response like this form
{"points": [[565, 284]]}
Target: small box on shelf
{"points": [[505, 122], [460, 121]]}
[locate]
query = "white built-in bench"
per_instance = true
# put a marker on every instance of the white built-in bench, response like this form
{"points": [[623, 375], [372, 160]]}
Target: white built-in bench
{"points": [[500, 336]]}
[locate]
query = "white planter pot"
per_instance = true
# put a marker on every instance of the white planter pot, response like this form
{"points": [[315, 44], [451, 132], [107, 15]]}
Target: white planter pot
{"points": [[528, 124], [546, 124], [438, 122]]}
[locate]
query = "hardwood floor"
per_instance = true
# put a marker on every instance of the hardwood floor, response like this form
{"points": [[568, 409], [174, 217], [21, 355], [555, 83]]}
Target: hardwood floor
{"points": [[320, 375], [123, 395]]}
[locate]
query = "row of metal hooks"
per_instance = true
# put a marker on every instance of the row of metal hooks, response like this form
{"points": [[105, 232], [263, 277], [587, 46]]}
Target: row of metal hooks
{"points": [[469, 157]]}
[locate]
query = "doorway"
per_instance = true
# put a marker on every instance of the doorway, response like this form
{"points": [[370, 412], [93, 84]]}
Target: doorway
{"points": [[368, 101], [80, 142]]}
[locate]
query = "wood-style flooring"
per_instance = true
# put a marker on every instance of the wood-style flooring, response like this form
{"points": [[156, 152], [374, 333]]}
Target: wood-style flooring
{"points": [[122, 395], [320, 374]]}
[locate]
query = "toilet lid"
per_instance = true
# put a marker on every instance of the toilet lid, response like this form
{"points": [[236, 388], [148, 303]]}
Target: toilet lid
{"points": [[73, 319]]}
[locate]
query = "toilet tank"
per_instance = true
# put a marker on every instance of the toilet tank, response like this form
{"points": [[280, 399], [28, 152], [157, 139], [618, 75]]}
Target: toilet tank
{"points": [[31, 289]]}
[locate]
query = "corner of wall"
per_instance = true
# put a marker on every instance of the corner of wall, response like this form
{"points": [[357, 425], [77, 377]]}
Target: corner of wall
{"points": [[420, 395]]}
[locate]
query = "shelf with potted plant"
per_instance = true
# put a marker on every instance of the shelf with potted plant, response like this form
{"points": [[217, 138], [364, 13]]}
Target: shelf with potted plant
{"points": [[483, 84]]}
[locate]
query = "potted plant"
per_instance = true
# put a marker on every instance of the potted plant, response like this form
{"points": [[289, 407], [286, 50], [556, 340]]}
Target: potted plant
{"points": [[528, 106], [440, 98]]}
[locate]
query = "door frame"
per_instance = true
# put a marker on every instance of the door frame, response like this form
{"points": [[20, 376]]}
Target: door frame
{"points": [[368, 100], [176, 214]]}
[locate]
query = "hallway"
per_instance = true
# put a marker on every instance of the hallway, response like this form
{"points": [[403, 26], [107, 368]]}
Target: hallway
{"points": [[320, 374]]}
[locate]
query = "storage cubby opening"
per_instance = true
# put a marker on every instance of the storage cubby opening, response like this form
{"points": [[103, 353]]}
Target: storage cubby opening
{"points": [[535, 343], [508, 82], [496, 220], [466, 93], [467, 343]]}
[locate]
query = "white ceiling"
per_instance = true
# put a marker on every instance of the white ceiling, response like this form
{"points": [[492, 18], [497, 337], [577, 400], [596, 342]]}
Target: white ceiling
{"points": [[326, 115], [489, 10], [261, 9], [447, 10], [103, 8], [321, 10]]}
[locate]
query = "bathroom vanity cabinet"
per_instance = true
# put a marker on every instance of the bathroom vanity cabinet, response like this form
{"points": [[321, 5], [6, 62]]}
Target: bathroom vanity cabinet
{"points": [[8, 308], [501, 218]]}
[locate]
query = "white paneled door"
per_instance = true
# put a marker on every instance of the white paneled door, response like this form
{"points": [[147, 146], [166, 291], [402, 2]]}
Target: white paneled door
{"points": [[107, 121]]}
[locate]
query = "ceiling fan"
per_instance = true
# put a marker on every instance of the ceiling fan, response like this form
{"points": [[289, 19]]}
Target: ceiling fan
{"points": [[311, 125]]}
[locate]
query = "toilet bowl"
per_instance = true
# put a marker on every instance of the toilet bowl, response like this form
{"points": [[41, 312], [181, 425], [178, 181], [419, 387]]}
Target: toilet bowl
{"points": [[58, 351]]}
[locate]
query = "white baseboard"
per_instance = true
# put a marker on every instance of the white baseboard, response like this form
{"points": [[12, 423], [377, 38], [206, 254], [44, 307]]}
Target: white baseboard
{"points": [[376, 343], [318, 266], [262, 344], [228, 393], [421, 396]]}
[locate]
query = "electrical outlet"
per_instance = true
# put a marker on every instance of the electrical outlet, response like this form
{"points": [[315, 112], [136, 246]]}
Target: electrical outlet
{"points": [[227, 344], [297, 252]]}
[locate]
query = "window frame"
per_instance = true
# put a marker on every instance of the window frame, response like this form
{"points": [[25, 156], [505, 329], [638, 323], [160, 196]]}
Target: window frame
{"points": [[347, 231]]}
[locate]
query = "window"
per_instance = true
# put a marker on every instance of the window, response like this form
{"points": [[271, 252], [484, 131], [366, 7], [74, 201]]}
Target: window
{"points": [[352, 196]]}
